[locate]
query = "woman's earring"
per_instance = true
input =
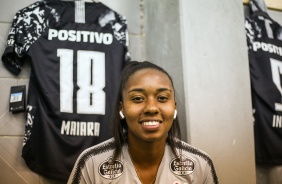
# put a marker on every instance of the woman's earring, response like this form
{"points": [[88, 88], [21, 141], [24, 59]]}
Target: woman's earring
{"points": [[121, 115], [175, 114]]}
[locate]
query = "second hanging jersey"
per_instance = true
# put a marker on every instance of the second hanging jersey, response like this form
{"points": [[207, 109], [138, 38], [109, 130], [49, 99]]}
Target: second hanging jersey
{"points": [[77, 51], [265, 59]]}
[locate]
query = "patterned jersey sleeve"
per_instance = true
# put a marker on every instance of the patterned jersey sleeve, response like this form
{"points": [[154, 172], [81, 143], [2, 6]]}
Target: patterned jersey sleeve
{"points": [[28, 24], [252, 30], [118, 24], [14, 47]]}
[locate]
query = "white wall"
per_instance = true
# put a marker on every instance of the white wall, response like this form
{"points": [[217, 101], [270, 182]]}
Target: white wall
{"points": [[163, 47], [217, 86], [208, 38]]}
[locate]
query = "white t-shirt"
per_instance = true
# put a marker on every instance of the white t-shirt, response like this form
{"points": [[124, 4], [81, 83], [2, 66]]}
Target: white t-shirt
{"points": [[94, 166]]}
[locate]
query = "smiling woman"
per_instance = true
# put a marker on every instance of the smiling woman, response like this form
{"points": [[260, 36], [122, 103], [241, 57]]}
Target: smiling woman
{"points": [[148, 105], [146, 146]]}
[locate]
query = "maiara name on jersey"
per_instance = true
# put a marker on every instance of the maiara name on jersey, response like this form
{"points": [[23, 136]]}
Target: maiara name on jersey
{"points": [[81, 36], [76, 128]]}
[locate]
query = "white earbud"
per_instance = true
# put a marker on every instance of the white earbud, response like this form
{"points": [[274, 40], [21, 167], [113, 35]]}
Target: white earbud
{"points": [[175, 114], [121, 115]]}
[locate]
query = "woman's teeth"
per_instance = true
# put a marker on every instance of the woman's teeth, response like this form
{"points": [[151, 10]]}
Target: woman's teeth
{"points": [[151, 123]]}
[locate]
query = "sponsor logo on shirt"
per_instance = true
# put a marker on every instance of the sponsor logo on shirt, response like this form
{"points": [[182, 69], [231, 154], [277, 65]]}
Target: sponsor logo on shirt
{"points": [[267, 47], [80, 36], [182, 165], [110, 169]]}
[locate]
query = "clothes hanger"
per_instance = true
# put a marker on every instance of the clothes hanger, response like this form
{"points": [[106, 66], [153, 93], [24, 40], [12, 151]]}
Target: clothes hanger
{"points": [[260, 4], [264, 5]]}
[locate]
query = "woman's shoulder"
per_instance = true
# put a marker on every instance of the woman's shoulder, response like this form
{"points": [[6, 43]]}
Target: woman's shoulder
{"points": [[102, 148], [196, 158], [193, 152]]}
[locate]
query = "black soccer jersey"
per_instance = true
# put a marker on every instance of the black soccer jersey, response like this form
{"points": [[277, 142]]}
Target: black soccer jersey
{"points": [[77, 51], [265, 60]]}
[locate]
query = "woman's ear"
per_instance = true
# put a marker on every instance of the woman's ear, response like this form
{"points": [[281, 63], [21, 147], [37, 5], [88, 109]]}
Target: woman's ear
{"points": [[121, 115], [175, 114], [120, 111]]}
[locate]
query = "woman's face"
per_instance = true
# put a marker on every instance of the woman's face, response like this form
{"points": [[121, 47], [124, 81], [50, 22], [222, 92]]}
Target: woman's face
{"points": [[148, 105]]}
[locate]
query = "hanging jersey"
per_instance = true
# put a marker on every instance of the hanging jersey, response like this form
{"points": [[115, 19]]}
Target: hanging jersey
{"points": [[77, 51], [95, 165], [265, 59]]}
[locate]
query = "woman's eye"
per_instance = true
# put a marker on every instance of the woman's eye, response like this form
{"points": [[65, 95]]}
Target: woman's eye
{"points": [[162, 98], [137, 99]]}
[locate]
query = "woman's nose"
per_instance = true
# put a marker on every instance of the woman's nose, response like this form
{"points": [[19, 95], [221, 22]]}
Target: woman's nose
{"points": [[151, 107]]}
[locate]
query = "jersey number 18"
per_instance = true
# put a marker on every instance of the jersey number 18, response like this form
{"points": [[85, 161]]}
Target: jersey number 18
{"points": [[91, 98]]}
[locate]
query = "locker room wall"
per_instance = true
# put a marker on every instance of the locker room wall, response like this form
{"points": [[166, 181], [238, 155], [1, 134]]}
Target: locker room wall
{"points": [[211, 50], [162, 46], [12, 167], [217, 86]]}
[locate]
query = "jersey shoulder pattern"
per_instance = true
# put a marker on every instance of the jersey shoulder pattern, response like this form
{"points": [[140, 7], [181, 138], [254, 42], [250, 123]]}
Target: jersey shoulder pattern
{"points": [[29, 24], [32, 21], [198, 153], [91, 152]]}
